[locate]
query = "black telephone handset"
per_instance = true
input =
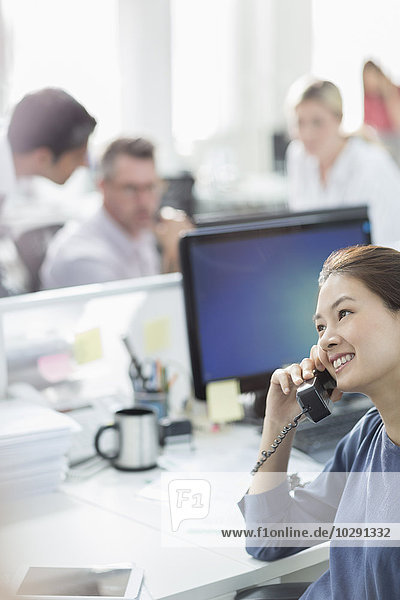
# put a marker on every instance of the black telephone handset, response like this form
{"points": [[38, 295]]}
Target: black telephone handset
{"points": [[315, 395], [314, 398]]}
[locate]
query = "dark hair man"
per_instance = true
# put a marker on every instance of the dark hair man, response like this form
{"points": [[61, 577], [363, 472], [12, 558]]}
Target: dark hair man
{"points": [[124, 238], [47, 135]]}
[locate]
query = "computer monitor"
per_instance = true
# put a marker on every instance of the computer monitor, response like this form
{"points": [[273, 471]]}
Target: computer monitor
{"points": [[68, 348], [218, 219], [68, 342], [250, 291]]}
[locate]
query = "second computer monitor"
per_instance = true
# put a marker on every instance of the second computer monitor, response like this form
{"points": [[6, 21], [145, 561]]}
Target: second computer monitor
{"points": [[251, 289]]}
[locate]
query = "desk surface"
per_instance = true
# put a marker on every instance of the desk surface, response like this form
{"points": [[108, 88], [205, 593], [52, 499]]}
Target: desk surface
{"points": [[109, 519]]}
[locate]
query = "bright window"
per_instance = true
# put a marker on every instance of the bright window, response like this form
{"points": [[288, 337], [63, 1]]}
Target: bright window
{"points": [[70, 44]]}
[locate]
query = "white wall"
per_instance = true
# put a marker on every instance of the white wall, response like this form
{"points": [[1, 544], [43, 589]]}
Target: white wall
{"points": [[69, 44], [204, 79]]}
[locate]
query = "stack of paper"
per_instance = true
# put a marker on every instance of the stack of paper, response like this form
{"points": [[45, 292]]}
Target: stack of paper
{"points": [[33, 444]]}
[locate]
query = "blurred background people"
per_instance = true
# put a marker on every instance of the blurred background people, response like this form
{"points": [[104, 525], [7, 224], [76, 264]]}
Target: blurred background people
{"points": [[47, 135], [128, 236], [382, 107], [327, 169], [381, 100]]}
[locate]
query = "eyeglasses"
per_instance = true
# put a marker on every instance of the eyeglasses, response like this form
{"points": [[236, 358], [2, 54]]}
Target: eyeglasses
{"points": [[132, 191]]}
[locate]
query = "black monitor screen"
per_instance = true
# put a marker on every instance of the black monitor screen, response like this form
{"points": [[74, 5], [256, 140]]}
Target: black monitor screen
{"points": [[251, 290]]}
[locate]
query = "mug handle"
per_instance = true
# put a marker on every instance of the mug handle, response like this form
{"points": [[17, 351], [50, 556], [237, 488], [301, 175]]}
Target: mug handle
{"points": [[97, 442]]}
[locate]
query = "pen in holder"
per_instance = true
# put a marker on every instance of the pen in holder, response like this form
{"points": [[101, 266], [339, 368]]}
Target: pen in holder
{"points": [[150, 386], [150, 382]]}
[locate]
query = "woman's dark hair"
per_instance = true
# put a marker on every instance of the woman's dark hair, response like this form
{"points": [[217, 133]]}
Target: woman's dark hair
{"points": [[49, 118], [378, 268]]}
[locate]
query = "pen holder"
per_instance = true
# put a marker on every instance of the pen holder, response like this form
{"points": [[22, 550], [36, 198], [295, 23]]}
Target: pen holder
{"points": [[158, 401]]}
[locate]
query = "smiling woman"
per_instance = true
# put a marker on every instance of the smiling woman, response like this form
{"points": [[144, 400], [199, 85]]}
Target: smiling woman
{"points": [[358, 324], [359, 336]]}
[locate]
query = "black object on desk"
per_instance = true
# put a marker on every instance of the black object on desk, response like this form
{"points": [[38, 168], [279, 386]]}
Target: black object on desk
{"points": [[176, 429]]}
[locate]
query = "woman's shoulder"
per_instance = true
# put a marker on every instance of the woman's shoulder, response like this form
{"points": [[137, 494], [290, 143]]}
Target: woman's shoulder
{"points": [[299, 161], [295, 151], [357, 441], [365, 428], [367, 150], [369, 422]]}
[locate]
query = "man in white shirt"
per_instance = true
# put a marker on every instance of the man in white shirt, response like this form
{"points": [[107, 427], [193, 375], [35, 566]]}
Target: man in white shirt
{"points": [[128, 237], [47, 135]]}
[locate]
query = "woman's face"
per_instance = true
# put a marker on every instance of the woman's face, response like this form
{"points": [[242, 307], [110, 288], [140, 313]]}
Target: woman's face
{"points": [[359, 338], [317, 127]]}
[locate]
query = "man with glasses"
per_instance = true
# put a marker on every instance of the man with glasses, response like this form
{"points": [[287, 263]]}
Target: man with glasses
{"points": [[129, 236]]}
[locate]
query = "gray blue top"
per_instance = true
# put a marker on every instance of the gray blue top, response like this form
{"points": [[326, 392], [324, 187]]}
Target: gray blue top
{"points": [[360, 484]]}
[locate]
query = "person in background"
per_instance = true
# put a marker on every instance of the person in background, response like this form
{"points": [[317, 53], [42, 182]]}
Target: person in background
{"points": [[327, 169], [382, 108], [381, 100], [47, 135], [129, 236]]}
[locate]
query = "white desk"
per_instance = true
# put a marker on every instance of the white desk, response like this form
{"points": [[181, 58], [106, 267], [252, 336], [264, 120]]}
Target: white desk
{"points": [[231, 450], [105, 519], [57, 529]]}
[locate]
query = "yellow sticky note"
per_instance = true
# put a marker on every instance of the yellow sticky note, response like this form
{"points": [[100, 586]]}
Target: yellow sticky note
{"points": [[87, 346], [157, 335], [223, 401]]}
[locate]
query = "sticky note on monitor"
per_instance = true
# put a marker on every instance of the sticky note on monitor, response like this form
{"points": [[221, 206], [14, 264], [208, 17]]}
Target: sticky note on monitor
{"points": [[157, 335], [87, 346], [223, 401]]}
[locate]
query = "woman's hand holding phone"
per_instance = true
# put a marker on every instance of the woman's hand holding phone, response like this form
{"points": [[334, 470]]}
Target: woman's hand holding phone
{"points": [[281, 406]]}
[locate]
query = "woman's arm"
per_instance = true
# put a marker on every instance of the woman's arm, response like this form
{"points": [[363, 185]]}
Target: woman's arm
{"points": [[281, 409], [268, 500]]}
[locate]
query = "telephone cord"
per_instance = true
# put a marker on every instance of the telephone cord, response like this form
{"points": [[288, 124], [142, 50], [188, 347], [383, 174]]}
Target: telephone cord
{"points": [[265, 454]]}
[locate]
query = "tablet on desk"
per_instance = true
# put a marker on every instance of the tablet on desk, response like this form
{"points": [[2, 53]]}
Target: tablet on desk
{"points": [[108, 582]]}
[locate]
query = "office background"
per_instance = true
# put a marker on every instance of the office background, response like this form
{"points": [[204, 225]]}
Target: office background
{"points": [[206, 81]]}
